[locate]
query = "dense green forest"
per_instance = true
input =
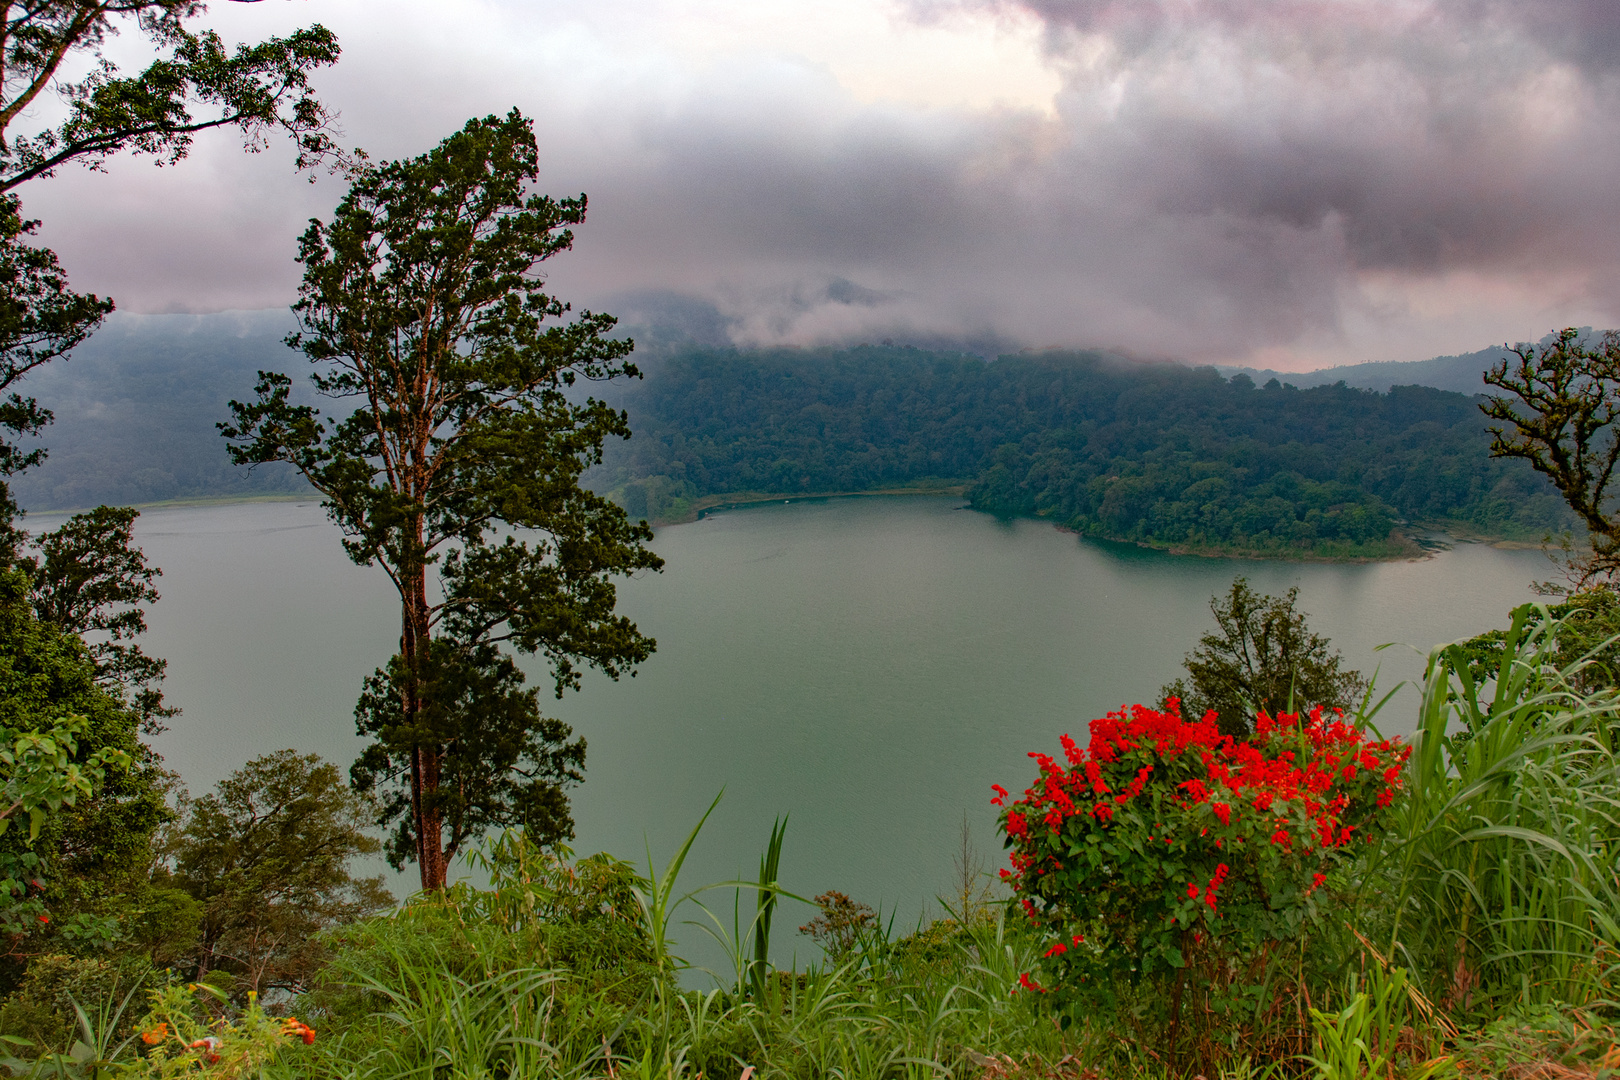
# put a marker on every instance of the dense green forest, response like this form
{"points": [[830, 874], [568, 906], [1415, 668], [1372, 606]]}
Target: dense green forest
{"points": [[1151, 453], [1154, 453]]}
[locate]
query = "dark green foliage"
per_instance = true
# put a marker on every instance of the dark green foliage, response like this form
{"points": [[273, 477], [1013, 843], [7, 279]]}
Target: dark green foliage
{"points": [[421, 308], [1589, 622], [86, 854], [1562, 401], [40, 319], [84, 884], [1152, 453], [267, 858], [42, 1008], [511, 761], [89, 580], [1264, 657], [541, 910], [256, 88]]}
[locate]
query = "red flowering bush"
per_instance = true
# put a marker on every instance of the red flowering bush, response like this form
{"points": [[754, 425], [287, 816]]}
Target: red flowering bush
{"points": [[1165, 837]]}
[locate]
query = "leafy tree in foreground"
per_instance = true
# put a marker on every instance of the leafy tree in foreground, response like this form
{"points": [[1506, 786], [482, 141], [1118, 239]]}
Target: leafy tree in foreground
{"points": [[89, 580], [88, 576], [91, 857], [40, 320], [91, 791], [267, 858], [422, 306], [1562, 401], [1264, 657], [255, 88]]}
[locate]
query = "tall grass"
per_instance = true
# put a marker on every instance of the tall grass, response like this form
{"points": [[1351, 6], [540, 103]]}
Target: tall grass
{"points": [[1497, 883], [900, 1013]]}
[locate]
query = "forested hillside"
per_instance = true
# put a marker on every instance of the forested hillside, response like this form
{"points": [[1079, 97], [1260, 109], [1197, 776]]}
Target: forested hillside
{"points": [[136, 406], [1153, 453]]}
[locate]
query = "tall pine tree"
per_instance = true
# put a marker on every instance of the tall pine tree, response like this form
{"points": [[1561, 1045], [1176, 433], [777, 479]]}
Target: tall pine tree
{"points": [[458, 473]]}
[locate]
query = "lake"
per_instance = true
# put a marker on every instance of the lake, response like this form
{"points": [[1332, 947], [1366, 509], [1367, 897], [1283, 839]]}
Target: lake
{"points": [[869, 666]]}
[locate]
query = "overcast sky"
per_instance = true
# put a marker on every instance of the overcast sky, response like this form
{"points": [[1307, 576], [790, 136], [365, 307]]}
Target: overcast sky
{"points": [[1285, 183]]}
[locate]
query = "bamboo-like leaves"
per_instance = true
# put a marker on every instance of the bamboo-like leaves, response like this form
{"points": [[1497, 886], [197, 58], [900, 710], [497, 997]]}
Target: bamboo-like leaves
{"points": [[1500, 875]]}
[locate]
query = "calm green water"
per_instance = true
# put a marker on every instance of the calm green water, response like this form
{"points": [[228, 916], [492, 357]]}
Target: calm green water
{"points": [[869, 666]]}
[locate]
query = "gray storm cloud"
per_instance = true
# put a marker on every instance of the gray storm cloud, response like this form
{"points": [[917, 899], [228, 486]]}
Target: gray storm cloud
{"points": [[1216, 181]]}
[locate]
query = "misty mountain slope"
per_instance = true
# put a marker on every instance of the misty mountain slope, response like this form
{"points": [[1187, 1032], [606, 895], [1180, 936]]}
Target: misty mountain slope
{"points": [[1461, 374], [136, 405]]}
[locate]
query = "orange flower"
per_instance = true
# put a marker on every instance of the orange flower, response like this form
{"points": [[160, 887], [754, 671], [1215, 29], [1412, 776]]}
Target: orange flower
{"points": [[156, 1035], [296, 1028]]}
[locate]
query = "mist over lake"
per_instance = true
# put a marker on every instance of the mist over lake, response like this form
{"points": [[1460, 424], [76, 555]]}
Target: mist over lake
{"points": [[868, 665]]}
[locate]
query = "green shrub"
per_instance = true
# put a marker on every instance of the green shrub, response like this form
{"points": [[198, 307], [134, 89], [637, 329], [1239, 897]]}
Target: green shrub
{"points": [[41, 1010], [1168, 860], [1496, 886], [541, 912]]}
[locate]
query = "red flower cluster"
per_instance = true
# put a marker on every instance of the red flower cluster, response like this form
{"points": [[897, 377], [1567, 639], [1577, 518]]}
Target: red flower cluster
{"points": [[1214, 885], [1285, 762], [1156, 798]]}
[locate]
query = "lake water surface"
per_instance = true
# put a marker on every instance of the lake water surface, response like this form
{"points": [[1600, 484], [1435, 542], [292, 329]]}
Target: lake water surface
{"points": [[868, 665]]}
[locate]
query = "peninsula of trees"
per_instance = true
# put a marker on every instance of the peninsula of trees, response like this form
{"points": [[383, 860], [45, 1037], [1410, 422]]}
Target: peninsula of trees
{"points": [[1152, 453]]}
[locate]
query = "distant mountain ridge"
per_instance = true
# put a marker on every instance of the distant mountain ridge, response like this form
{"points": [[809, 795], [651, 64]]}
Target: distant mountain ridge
{"points": [[1462, 374]]}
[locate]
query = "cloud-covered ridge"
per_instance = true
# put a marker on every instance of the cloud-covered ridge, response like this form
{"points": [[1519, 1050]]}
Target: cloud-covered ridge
{"points": [[1289, 183]]}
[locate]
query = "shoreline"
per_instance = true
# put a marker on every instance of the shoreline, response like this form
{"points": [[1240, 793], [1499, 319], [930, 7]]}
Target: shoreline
{"points": [[735, 500], [1416, 542], [1413, 547], [181, 504]]}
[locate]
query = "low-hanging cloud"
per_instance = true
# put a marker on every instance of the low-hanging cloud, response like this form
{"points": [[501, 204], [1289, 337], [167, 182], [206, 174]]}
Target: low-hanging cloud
{"points": [[1294, 182]]}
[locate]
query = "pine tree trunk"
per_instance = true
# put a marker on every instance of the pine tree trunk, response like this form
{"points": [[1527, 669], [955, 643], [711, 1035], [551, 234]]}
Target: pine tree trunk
{"points": [[426, 759]]}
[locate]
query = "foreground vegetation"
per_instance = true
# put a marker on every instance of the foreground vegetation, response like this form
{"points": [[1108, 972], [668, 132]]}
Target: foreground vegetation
{"points": [[1468, 930]]}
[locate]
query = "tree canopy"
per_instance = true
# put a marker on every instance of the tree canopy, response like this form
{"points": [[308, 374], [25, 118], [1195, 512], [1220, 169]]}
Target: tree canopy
{"points": [[421, 305], [90, 579], [1150, 453], [266, 856], [109, 789], [1263, 658], [41, 318], [255, 88], [1559, 414]]}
